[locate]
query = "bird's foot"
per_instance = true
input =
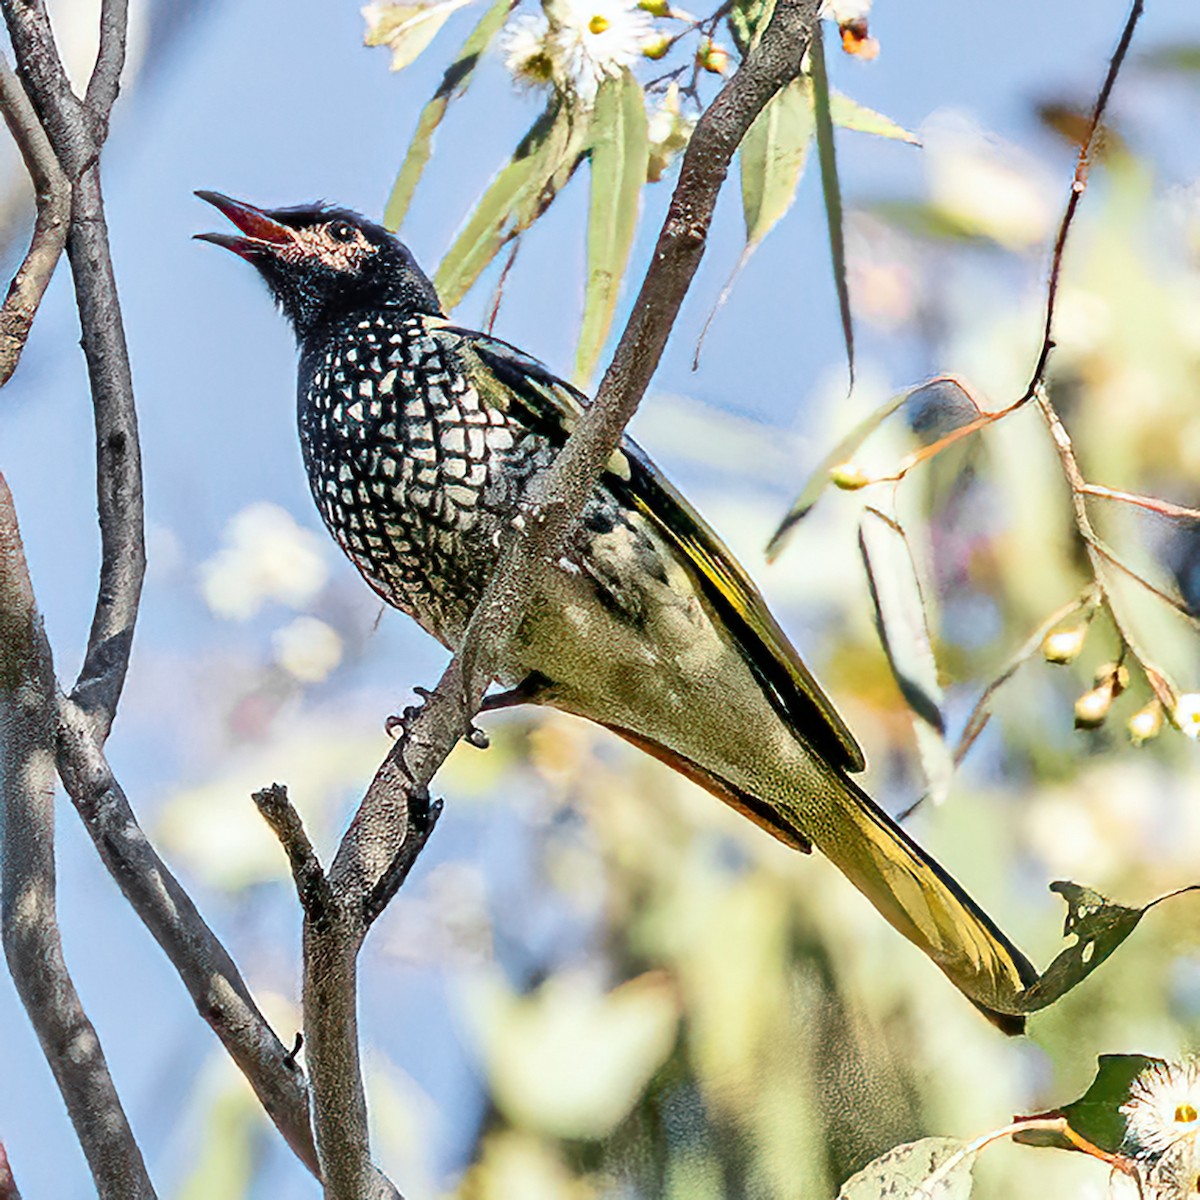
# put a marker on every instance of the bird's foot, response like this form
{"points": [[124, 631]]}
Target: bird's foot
{"points": [[398, 724]]}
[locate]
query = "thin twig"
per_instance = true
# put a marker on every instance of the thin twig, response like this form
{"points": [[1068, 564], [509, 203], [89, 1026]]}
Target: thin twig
{"points": [[312, 887], [52, 192], [1079, 184], [27, 884], [1164, 508]]}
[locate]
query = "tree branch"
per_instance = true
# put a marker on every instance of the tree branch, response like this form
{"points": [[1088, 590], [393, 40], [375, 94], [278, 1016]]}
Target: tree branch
{"points": [[204, 965], [52, 192], [27, 883], [76, 130]]}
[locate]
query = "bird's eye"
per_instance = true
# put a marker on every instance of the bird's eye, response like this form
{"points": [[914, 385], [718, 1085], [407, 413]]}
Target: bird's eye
{"points": [[341, 231]]}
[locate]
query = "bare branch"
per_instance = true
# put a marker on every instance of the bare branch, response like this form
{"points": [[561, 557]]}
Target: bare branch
{"points": [[52, 191], [204, 966], [27, 883], [76, 131], [311, 885], [105, 82], [1164, 508]]}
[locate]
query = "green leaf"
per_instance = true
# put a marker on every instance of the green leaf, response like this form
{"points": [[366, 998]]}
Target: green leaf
{"points": [[1099, 927], [772, 157], [842, 453], [934, 1168], [542, 164], [849, 114], [771, 160], [1096, 1115], [619, 153], [831, 189], [454, 83], [407, 29], [902, 621], [747, 20]]}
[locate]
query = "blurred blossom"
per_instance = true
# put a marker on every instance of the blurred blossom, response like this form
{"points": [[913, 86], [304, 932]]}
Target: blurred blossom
{"points": [[843, 11], [266, 556], [1163, 1108], [571, 1059], [528, 52], [987, 186], [1186, 714], [307, 649]]}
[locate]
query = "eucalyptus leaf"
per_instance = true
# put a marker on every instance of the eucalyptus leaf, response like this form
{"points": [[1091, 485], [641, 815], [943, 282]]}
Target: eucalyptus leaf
{"points": [[454, 83], [1096, 1116], [520, 193], [820, 478], [619, 154], [772, 156], [1099, 926], [831, 190], [408, 29], [934, 1168], [849, 114], [903, 624]]}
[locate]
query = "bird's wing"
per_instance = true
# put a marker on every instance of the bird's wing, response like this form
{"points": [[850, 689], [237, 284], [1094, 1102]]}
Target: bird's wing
{"points": [[516, 383]]}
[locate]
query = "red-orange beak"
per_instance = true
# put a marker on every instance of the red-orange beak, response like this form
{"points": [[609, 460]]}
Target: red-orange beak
{"points": [[262, 231]]}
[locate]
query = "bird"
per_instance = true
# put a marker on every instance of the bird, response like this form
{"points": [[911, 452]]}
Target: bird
{"points": [[419, 436]]}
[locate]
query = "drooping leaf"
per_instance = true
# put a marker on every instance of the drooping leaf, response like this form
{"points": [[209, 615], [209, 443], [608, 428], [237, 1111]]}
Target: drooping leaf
{"points": [[524, 189], [934, 1168], [619, 153], [1096, 1116], [831, 189], [902, 621], [849, 114], [454, 82], [771, 158], [407, 29], [820, 478], [1099, 927]]}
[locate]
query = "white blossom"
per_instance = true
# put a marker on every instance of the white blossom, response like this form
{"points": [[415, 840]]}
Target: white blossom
{"points": [[529, 53], [1163, 1108], [1186, 714], [595, 40]]}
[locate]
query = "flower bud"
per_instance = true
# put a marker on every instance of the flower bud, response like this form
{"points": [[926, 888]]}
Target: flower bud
{"points": [[1145, 724], [713, 57], [1092, 707], [1114, 676], [656, 8], [848, 476], [656, 47], [1063, 645]]}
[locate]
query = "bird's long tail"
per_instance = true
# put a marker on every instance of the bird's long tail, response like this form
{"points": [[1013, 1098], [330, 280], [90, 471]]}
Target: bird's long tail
{"points": [[911, 891], [921, 900]]}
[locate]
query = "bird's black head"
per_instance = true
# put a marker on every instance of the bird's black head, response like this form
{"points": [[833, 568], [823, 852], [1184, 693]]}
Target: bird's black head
{"points": [[323, 263]]}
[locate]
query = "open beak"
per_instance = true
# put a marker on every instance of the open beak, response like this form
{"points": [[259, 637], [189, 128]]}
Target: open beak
{"points": [[263, 232]]}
